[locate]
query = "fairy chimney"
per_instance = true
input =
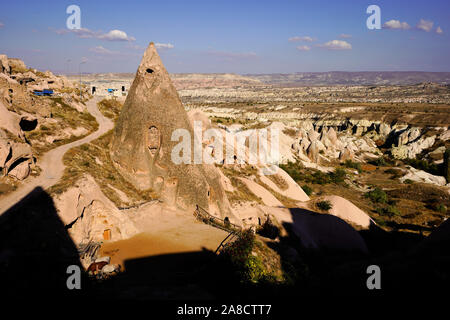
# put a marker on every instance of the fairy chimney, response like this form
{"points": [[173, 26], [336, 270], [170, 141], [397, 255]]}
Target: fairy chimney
{"points": [[141, 146]]}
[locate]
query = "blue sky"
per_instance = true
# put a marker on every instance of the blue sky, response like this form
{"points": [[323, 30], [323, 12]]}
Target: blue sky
{"points": [[230, 36]]}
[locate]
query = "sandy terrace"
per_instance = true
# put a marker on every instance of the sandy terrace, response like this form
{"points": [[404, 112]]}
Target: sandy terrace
{"points": [[163, 231]]}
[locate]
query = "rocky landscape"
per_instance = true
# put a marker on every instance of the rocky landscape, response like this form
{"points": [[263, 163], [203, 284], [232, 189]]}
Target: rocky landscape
{"points": [[363, 173], [31, 125]]}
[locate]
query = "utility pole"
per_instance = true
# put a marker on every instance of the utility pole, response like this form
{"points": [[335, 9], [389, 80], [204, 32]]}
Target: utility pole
{"points": [[67, 66], [79, 71]]}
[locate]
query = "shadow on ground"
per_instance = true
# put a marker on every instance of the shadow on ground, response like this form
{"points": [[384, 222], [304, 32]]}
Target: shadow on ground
{"points": [[320, 255]]}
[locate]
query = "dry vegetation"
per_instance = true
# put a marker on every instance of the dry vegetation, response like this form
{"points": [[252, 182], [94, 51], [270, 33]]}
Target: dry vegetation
{"points": [[110, 108], [93, 158], [68, 118]]}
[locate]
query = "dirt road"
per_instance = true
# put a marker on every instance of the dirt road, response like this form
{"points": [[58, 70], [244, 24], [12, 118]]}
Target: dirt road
{"points": [[51, 163]]}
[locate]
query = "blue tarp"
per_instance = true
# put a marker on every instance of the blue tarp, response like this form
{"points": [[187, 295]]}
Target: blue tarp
{"points": [[45, 92]]}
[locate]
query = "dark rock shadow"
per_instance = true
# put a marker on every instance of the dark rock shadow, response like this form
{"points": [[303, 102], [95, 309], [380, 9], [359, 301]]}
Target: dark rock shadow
{"points": [[331, 262], [35, 250], [177, 276]]}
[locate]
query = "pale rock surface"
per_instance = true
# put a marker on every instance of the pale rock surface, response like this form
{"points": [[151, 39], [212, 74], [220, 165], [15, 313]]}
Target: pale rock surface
{"points": [[21, 171], [293, 191], [10, 121], [422, 176], [90, 213], [5, 150], [261, 192], [347, 211]]}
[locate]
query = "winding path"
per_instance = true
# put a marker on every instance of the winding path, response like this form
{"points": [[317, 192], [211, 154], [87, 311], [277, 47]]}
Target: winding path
{"points": [[52, 164]]}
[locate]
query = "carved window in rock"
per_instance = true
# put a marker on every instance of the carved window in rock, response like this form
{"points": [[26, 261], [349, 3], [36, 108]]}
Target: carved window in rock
{"points": [[153, 140]]}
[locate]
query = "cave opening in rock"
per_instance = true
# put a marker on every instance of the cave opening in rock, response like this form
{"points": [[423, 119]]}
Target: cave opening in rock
{"points": [[153, 139], [28, 125], [149, 70]]}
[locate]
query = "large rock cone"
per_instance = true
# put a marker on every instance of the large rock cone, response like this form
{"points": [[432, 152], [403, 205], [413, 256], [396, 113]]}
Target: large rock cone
{"points": [[141, 146]]}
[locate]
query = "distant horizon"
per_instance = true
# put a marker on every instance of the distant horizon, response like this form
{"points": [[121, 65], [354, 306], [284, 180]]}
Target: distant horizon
{"points": [[243, 74], [251, 37]]}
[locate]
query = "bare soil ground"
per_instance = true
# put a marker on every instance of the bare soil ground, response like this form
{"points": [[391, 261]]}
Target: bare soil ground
{"points": [[164, 231]]}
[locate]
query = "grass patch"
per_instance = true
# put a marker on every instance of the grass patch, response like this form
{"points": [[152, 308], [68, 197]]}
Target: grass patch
{"points": [[241, 193], [110, 108], [279, 181], [313, 176], [290, 132]]}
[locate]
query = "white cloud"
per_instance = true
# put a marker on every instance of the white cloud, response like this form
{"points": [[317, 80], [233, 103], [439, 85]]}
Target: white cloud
{"points": [[84, 33], [116, 35], [303, 48], [102, 50], [164, 46], [425, 25], [345, 36], [336, 45], [396, 24], [439, 30], [298, 39]]}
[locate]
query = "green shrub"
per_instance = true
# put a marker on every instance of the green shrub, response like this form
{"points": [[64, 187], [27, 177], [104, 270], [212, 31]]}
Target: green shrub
{"points": [[379, 162], [389, 211], [338, 176], [253, 269], [308, 190], [324, 205], [377, 195], [318, 177], [353, 165], [247, 267], [293, 169], [440, 208]]}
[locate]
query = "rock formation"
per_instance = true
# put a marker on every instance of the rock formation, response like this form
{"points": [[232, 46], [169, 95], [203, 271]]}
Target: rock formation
{"points": [[447, 165], [142, 143], [91, 215]]}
